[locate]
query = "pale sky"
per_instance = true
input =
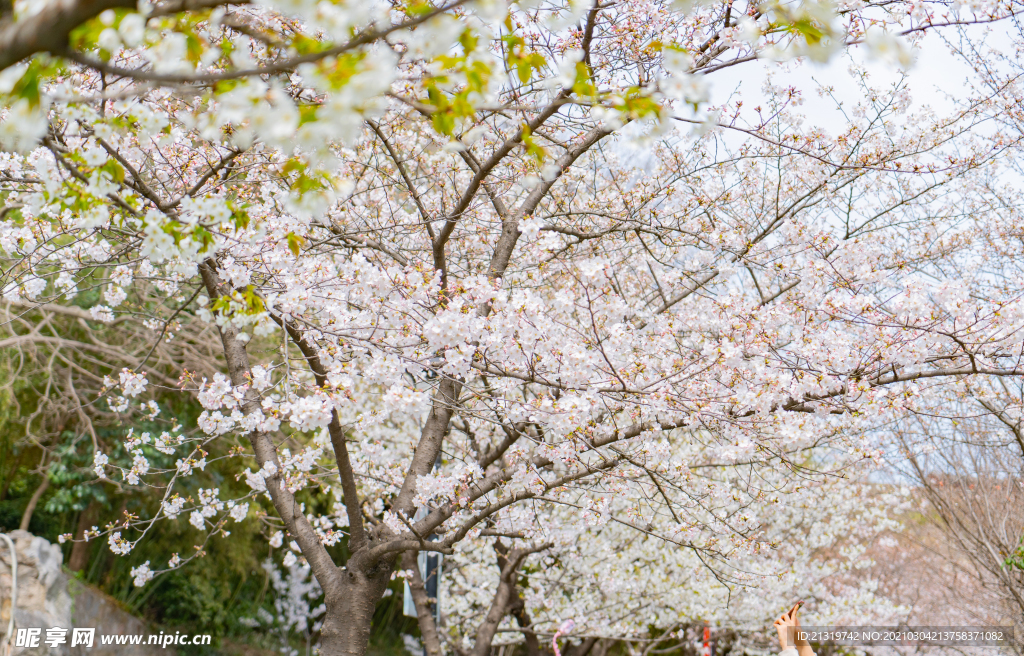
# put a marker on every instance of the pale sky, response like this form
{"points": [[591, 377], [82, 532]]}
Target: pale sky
{"points": [[936, 74]]}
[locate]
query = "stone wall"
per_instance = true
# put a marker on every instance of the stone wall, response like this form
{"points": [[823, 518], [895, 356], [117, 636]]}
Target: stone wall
{"points": [[48, 597]]}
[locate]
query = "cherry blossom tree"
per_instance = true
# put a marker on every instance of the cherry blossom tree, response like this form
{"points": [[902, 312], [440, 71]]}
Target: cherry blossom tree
{"points": [[965, 458], [494, 280]]}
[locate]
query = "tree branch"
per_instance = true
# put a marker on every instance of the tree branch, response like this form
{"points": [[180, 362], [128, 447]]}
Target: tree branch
{"points": [[509, 561], [357, 533], [48, 29], [287, 507], [428, 630]]}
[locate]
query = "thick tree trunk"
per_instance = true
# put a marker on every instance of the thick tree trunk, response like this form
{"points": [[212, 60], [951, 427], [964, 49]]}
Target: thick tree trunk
{"points": [[350, 606]]}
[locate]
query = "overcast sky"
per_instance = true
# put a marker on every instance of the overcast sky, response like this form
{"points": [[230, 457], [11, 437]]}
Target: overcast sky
{"points": [[936, 74]]}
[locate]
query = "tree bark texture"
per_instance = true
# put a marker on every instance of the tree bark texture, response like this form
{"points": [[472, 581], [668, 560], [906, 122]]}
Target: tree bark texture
{"points": [[350, 604], [80, 548]]}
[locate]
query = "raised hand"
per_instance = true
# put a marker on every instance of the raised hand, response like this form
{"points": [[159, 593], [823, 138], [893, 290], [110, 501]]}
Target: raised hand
{"points": [[788, 626]]}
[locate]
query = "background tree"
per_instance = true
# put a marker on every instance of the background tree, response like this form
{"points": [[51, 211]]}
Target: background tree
{"points": [[965, 459]]}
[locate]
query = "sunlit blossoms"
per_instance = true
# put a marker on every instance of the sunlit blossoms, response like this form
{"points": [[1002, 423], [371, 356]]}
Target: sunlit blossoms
{"points": [[496, 280]]}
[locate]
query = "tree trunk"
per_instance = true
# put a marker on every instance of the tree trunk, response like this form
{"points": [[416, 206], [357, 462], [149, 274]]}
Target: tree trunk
{"points": [[26, 516], [351, 593], [350, 606], [518, 610], [80, 548]]}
